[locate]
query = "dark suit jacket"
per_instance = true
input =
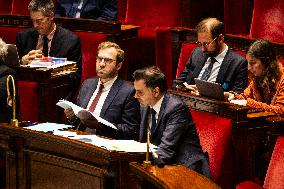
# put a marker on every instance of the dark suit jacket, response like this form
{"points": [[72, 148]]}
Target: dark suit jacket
{"points": [[120, 108], [65, 44], [232, 75], [6, 111], [176, 135], [95, 9]]}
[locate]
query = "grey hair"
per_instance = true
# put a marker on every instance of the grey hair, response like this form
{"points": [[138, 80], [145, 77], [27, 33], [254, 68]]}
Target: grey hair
{"points": [[3, 50], [46, 7]]}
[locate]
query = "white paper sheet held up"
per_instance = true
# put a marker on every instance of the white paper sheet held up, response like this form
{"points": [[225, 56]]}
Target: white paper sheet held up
{"points": [[83, 113], [48, 127]]}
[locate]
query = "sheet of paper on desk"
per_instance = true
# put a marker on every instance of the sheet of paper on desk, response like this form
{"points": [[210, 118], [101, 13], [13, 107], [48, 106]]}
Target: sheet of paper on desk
{"points": [[47, 127], [117, 145], [83, 113], [38, 64]]}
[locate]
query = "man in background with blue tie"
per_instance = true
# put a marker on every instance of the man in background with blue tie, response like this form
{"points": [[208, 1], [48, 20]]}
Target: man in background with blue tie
{"points": [[48, 39], [109, 97], [95, 9], [168, 122], [213, 61]]}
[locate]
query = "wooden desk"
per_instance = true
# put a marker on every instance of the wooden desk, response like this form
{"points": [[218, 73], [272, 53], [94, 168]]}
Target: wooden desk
{"points": [[169, 177], [40, 160], [250, 130], [52, 86]]}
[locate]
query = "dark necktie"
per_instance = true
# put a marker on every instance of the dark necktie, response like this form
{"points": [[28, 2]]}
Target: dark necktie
{"points": [[95, 101], [208, 70], [153, 116], [45, 46], [74, 9]]}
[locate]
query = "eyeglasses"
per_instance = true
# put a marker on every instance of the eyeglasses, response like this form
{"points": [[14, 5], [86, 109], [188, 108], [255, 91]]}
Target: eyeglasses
{"points": [[204, 44], [40, 20], [106, 60]]}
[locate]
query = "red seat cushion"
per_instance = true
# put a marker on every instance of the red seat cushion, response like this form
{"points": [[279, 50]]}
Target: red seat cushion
{"points": [[275, 173], [5, 6], [248, 185]]}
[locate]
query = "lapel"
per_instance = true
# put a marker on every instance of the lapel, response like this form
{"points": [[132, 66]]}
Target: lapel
{"points": [[161, 114], [144, 124], [56, 42], [35, 36], [200, 62], [111, 95], [224, 67], [84, 4], [92, 87]]}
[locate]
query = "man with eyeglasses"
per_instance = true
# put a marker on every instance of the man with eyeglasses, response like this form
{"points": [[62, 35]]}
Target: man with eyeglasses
{"points": [[48, 39], [213, 61], [109, 97]]}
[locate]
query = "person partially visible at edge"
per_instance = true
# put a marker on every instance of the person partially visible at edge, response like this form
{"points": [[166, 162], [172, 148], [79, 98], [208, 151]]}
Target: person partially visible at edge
{"points": [[169, 123], [266, 88], [48, 39], [213, 61], [109, 97], [94, 9], [5, 71]]}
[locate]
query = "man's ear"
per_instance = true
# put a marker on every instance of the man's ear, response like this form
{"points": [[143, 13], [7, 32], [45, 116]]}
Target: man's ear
{"points": [[156, 91], [221, 37], [119, 65]]}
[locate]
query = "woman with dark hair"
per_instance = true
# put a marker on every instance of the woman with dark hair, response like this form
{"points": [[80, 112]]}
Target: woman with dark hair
{"points": [[266, 88]]}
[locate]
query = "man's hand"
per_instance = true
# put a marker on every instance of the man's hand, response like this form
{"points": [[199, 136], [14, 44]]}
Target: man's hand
{"points": [[229, 96], [91, 123], [70, 114], [32, 55]]}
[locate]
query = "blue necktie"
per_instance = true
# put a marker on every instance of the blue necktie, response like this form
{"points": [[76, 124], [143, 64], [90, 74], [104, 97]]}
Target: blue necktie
{"points": [[74, 8], [208, 70], [153, 115]]}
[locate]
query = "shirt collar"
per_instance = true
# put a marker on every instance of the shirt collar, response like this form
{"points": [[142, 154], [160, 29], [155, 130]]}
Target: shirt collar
{"points": [[51, 34], [158, 105], [220, 57], [108, 84]]}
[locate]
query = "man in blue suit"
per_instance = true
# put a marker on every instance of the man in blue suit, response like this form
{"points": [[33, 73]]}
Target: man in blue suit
{"points": [[95, 9], [214, 61], [109, 97], [167, 120]]}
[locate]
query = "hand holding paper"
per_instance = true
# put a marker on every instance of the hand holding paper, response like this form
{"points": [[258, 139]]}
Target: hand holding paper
{"points": [[83, 114]]}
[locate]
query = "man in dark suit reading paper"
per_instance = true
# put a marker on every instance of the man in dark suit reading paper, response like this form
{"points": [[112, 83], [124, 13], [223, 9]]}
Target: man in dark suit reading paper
{"points": [[167, 120], [108, 97], [48, 39], [213, 60]]}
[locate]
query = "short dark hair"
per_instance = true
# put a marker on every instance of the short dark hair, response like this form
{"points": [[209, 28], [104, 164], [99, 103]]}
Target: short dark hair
{"points": [[212, 25], [44, 6], [108, 44], [153, 77], [263, 50]]}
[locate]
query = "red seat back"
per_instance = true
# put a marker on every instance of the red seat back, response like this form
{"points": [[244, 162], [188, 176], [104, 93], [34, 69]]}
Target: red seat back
{"points": [[237, 16], [89, 42], [184, 55], [275, 173], [5, 6], [153, 13], [215, 133], [267, 20]]}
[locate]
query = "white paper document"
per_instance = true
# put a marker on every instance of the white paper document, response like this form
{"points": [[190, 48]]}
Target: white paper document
{"points": [[239, 102], [83, 113], [116, 145], [48, 127]]}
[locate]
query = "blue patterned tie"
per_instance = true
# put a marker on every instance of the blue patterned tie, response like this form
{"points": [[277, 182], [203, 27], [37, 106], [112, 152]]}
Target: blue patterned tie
{"points": [[74, 8], [208, 70], [153, 115]]}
